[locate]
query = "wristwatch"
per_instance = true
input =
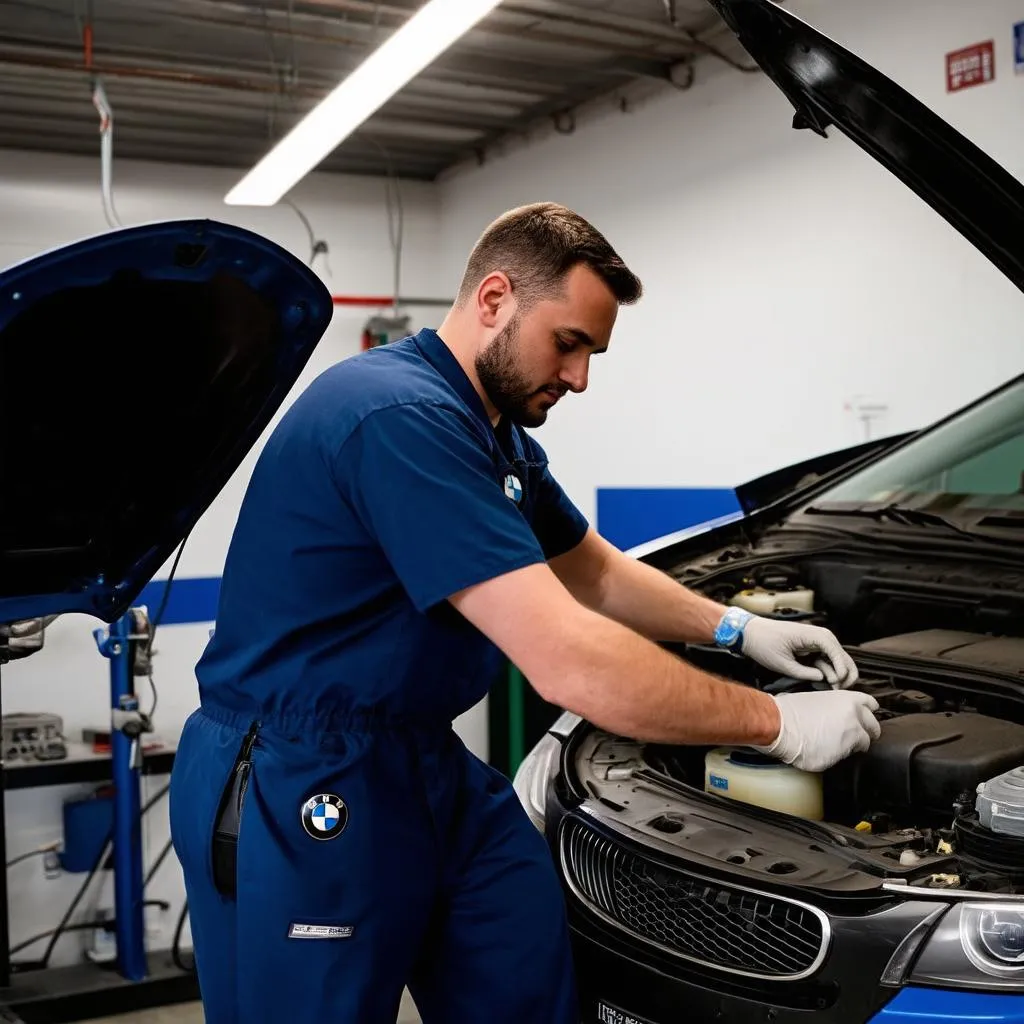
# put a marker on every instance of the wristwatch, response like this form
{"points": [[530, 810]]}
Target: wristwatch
{"points": [[729, 632]]}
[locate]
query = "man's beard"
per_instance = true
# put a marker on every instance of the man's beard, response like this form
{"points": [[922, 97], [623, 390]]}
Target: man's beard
{"points": [[507, 388]]}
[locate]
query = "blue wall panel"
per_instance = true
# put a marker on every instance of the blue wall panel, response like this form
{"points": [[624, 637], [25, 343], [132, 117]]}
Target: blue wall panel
{"points": [[190, 600]]}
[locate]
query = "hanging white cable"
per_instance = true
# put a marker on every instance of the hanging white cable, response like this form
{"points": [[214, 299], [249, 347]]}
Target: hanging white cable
{"points": [[102, 105]]}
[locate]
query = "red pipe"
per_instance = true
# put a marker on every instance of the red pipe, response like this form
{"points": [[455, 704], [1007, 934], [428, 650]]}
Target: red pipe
{"points": [[362, 300], [385, 300]]}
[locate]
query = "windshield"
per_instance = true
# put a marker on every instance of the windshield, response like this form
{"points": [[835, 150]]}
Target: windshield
{"points": [[974, 461]]}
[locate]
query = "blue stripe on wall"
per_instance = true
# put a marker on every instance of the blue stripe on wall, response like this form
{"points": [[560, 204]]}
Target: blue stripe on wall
{"points": [[190, 600], [631, 515]]}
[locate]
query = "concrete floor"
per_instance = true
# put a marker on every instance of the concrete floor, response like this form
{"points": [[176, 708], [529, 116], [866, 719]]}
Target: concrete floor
{"points": [[183, 1013], [192, 1013]]}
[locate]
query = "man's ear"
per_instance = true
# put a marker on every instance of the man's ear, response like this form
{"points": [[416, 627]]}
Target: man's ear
{"points": [[493, 296]]}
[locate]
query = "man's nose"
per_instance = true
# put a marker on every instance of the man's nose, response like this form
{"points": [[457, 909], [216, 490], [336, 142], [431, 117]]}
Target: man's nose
{"points": [[574, 376]]}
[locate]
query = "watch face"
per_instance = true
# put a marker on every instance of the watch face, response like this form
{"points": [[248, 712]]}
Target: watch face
{"points": [[724, 635], [731, 627]]}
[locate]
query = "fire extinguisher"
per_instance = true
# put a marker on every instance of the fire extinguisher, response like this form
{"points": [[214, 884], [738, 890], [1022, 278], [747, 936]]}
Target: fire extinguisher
{"points": [[382, 330]]}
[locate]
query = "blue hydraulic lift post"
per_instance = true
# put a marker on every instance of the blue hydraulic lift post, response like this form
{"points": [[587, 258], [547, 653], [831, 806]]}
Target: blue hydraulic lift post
{"points": [[129, 923]]}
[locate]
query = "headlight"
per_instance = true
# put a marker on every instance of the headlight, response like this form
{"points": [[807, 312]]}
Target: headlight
{"points": [[539, 765], [993, 939], [975, 945], [531, 780]]}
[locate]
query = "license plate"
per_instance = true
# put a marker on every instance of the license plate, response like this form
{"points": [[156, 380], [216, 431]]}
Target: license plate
{"points": [[608, 1014]]}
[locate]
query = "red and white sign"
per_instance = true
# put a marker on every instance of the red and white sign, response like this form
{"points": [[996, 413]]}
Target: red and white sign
{"points": [[974, 65]]}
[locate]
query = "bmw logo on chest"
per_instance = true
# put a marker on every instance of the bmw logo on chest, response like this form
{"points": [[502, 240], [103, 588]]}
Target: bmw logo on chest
{"points": [[324, 816], [513, 488]]}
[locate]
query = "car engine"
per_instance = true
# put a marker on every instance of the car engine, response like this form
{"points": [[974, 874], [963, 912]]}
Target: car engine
{"points": [[937, 801], [940, 763]]}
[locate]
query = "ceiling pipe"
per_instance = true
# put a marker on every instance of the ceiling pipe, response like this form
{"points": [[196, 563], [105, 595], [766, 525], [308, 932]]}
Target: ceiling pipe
{"points": [[28, 55], [332, 40], [639, 28], [601, 21], [628, 26], [374, 301], [153, 74], [176, 102], [412, 112], [543, 35]]}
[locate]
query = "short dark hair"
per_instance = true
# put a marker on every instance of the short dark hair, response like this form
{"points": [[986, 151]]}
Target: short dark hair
{"points": [[537, 245]]}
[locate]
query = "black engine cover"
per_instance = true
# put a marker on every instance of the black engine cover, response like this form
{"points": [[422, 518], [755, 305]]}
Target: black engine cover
{"points": [[922, 763]]}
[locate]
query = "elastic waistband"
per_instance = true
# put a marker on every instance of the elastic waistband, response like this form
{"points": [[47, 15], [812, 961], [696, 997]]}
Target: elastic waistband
{"points": [[319, 727]]}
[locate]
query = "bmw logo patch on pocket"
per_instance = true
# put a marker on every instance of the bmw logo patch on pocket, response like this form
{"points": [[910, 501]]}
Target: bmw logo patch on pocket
{"points": [[324, 816], [513, 488]]}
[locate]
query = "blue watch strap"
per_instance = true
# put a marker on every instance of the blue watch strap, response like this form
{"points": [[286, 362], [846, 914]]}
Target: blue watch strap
{"points": [[729, 632]]}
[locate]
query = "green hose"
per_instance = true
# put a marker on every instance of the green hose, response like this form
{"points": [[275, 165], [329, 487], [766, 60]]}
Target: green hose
{"points": [[515, 719]]}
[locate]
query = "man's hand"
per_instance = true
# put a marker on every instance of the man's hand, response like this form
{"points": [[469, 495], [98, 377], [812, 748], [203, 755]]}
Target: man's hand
{"points": [[776, 645], [820, 729]]}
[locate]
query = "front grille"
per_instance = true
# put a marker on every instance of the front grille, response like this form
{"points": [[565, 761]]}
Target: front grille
{"points": [[755, 934]]}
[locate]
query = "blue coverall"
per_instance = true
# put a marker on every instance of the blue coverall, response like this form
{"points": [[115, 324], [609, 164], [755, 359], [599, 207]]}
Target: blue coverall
{"points": [[374, 850]]}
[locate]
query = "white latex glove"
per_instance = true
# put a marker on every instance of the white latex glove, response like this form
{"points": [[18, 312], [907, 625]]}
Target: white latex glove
{"points": [[820, 729], [775, 644]]}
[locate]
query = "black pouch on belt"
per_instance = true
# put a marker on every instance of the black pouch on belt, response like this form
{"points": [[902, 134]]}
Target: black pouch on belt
{"points": [[229, 819]]}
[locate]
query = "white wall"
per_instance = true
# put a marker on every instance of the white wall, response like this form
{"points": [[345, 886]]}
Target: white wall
{"points": [[48, 201], [785, 275]]}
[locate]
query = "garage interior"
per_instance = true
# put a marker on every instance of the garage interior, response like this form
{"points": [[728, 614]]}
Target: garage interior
{"points": [[799, 300]]}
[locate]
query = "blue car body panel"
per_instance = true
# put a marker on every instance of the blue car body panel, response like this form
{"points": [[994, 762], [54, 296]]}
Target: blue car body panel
{"points": [[914, 1005]]}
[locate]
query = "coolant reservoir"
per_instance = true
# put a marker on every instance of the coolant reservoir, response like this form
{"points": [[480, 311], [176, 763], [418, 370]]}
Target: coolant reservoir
{"points": [[1000, 803], [754, 778], [766, 602]]}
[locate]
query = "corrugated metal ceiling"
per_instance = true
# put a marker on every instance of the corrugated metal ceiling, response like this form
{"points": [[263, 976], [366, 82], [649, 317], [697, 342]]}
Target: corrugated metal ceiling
{"points": [[215, 82]]}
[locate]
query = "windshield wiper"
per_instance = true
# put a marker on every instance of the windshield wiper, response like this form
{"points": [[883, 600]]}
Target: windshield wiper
{"points": [[895, 514]]}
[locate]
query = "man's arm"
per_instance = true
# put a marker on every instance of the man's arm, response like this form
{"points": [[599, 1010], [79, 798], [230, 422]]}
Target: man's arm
{"points": [[584, 662], [658, 607], [634, 594], [618, 680]]}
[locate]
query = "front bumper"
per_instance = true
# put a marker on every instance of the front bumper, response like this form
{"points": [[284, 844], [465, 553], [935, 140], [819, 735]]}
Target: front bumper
{"points": [[651, 992], [615, 988], [623, 978]]}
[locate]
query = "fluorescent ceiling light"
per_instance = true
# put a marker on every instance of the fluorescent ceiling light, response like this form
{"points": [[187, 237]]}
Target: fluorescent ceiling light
{"points": [[402, 56]]}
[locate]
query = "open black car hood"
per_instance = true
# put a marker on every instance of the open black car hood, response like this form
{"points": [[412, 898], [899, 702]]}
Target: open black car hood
{"points": [[828, 85], [137, 369], [764, 490]]}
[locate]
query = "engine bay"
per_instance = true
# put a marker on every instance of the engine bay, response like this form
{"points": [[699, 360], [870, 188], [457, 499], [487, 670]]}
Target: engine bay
{"points": [[936, 802]]}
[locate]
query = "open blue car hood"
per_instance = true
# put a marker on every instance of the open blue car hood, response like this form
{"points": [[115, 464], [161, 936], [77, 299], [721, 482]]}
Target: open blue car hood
{"points": [[137, 369]]}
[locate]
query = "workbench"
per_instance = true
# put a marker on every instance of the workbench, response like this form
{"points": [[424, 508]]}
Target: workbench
{"points": [[82, 991]]}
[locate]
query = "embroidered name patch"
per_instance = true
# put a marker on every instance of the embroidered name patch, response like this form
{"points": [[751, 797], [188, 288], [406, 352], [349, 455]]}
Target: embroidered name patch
{"points": [[297, 930]]}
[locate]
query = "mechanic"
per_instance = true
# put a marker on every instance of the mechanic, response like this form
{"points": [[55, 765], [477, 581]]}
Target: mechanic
{"points": [[399, 533]]}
